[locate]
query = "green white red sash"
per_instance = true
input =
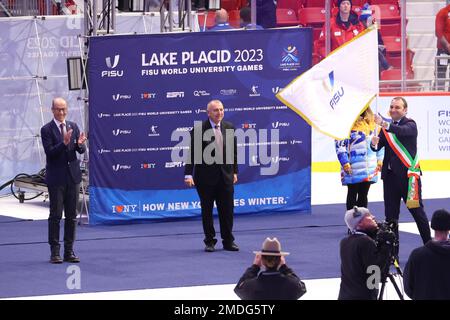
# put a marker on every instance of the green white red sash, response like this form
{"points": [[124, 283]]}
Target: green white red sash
{"points": [[412, 199]]}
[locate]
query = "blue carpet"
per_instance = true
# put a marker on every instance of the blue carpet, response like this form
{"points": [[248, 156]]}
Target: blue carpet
{"points": [[170, 254], [6, 219]]}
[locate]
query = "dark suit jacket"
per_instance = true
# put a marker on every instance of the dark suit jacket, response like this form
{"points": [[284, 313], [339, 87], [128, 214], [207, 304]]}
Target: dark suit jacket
{"points": [[406, 132], [62, 163], [209, 174], [266, 13], [270, 285]]}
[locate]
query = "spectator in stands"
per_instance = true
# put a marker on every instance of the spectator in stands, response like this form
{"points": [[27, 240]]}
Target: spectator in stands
{"points": [[426, 275], [344, 27], [246, 19], [359, 254], [221, 21], [442, 30], [277, 282], [359, 164], [266, 13], [366, 19]]}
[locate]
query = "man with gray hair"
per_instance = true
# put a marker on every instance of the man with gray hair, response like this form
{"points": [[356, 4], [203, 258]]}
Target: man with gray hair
{"points": [[212, 168], [359, 254]]}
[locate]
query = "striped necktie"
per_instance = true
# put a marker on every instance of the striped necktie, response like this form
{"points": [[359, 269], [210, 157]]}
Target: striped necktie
{"points": [[61, 126], [218, 135]]}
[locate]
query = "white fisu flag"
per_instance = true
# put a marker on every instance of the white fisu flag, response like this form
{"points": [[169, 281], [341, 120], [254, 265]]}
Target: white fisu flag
{"points": [[332, 94]]}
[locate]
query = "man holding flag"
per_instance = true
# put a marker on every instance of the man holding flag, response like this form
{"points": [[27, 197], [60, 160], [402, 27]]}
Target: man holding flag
{"points": [[401, 170], [330, 97]]}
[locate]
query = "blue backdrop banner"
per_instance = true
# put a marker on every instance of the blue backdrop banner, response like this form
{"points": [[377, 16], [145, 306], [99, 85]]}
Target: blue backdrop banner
{"points": [[146, 92]]}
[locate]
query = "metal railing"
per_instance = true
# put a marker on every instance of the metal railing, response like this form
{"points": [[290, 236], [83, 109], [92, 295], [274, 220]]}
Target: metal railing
{"points": [[440, 83], [410, 85], [29, 8]]}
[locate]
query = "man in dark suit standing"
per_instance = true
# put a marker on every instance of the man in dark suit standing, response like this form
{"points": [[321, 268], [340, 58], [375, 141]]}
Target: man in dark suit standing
{"points": [[61, 140], [401, 171], [212, 168]]}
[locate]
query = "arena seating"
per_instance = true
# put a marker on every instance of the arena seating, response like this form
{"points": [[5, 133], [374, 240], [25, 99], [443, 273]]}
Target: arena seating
{"points": [[286, 17]]}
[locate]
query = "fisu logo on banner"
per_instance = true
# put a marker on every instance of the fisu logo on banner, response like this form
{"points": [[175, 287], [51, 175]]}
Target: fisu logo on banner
{"points": [[118, 132], [119, 166], [275, 90], [279, 124], [118, 96], [113, 65]]}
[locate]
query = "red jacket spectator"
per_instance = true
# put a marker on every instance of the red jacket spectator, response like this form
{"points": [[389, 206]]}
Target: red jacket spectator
{"points": [[443, 28], [340, 32]]}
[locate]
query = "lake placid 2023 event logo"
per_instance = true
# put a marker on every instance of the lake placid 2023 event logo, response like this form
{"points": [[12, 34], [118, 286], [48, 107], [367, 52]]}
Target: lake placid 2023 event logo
{"points": [[290, 60]]}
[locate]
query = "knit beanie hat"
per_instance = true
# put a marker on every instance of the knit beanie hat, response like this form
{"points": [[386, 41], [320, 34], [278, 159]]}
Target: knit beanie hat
{"points": [[354, 216]]}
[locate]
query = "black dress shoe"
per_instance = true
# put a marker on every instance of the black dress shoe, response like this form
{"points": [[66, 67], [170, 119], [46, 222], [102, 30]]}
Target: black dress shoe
{"points": [[55, 259], [71, 257], [209, 248], [231, 247]]}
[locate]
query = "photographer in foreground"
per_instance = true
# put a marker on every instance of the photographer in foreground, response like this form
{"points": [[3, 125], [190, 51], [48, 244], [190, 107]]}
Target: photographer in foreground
{"points": [[360, 254], [427, 275], [276, 282]]}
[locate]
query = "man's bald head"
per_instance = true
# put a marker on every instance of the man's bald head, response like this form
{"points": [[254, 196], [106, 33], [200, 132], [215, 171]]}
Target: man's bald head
{"points": [[221, 16], [215, 111], [59, 109], [58, 101]]}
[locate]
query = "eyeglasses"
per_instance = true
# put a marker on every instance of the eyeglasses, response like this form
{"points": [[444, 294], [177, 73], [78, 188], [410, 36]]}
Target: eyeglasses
{"points": [[60, 109]]}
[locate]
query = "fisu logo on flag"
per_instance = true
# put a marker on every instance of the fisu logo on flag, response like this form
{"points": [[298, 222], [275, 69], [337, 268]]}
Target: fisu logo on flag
{"points": [[332, 94], [329, 82], [336, 94]]}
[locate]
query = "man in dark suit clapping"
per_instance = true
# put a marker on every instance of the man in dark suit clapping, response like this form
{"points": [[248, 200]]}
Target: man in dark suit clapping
{"points": [[62, 140], [212, 168], [401, 171]]}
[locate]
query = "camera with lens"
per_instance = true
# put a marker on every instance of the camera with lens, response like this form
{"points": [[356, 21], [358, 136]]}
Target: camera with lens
{"points": [[386, 235]]}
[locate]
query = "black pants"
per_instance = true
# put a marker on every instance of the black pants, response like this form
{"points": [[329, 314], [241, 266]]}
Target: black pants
{"points": [[395, 189], [442, 69], [357, 195], [223, 194], [62, 198]]}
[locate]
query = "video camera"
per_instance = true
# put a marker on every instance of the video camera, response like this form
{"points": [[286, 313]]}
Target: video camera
{"points": [[386, 235]]}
